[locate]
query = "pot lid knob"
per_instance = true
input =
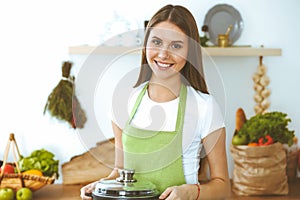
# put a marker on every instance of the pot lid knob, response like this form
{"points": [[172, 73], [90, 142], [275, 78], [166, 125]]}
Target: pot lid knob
{"points": [[126, 176]]}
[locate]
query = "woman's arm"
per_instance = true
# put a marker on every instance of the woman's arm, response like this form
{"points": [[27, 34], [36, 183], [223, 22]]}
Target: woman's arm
{"points": [[219, 185], [86, 190], [119, 159]]}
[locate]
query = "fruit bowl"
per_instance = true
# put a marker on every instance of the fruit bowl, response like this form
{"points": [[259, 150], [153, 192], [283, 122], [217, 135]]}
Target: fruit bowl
{"points": [[33, 182], [16, 179]]}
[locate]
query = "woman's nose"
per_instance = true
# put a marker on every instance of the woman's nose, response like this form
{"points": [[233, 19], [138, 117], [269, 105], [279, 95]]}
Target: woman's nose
{"points": [[163, 53]]}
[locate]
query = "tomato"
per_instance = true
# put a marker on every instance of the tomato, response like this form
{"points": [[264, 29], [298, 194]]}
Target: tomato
{"points": [[239, 140], [8, 169]]}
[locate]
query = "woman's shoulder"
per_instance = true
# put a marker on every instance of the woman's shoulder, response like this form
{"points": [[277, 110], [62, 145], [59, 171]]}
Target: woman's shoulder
{"points": [[140, 87], [136, 90], [204, 101], [200, 96], [211, 114], [134, 94]]}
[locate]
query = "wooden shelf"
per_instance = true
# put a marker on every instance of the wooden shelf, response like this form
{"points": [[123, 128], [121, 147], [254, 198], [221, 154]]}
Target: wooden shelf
{"points": [[212, 51], [242, 51], [85, 49]]}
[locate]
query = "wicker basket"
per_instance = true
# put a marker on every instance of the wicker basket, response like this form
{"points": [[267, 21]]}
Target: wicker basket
{"points": [[19, 180]]}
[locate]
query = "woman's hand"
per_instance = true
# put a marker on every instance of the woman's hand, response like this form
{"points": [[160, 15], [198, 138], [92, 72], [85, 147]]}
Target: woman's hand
{"points": [[183, 192], [86, 191]]}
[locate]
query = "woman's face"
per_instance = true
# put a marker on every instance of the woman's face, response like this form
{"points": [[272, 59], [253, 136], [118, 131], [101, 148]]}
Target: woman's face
{"points": [[166, 50]]}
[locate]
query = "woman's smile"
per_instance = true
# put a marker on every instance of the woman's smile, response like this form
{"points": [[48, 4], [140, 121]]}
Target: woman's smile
{"points": [[163, 65]]}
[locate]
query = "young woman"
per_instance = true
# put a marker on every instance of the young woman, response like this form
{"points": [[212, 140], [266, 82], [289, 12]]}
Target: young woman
{"points": [[172, 115]]}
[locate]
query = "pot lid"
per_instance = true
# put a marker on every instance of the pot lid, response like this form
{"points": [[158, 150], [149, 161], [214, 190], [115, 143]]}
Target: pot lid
{"points": [[125, 186]]}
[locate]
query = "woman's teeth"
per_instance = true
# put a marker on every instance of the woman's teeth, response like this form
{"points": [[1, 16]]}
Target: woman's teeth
{"points": [[163, 65]]}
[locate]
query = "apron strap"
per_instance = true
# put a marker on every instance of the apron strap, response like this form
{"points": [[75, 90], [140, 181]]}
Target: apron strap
{"points": [[181, 108], [138, 101]]}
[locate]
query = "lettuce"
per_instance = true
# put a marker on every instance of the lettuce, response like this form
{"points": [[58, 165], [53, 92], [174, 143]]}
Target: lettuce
{"points": [[42, 160], [274, 124]]}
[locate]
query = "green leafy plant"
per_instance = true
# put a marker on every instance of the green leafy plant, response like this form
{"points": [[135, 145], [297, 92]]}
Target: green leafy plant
{"points": [[42, 160], [274, 124]]}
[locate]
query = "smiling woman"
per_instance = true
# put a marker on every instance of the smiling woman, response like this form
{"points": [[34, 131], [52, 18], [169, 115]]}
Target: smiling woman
{"points": [[172, 116]]}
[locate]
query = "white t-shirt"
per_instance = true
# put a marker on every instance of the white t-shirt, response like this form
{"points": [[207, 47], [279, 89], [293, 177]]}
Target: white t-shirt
{"points": [[202, 116]]}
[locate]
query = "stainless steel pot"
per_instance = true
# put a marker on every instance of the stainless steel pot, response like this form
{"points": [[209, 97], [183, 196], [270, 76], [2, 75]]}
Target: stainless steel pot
{"points": [[125, 187]]}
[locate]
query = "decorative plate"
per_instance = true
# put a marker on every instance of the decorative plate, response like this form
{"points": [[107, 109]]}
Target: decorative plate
{"points": [[219, 18]]}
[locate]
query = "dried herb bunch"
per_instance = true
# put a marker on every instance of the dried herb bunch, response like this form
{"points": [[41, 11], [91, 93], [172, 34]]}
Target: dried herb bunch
{"points": [[62, 103]]}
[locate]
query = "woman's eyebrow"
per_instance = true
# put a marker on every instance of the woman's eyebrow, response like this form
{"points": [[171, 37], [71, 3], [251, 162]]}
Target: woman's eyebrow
{"points": [[155, 37], [174, 41]]}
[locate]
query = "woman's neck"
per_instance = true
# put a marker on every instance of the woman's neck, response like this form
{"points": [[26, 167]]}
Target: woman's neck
{"points": [[161, 91]]}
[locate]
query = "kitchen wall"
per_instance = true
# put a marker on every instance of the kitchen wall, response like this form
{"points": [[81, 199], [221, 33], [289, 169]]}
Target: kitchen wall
{"points": [[35, 37]]}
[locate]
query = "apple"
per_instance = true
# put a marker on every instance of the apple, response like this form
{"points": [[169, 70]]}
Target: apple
{"points": [[239, 140], [24, 194], [7, 194], [8, 169]]}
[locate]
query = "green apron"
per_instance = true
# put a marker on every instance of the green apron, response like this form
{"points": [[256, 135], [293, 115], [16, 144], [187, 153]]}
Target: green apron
{"points": [[155, 156]]}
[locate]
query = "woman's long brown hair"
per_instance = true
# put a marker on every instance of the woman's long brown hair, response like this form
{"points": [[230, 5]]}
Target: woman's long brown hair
{"points": [[193, 70]]}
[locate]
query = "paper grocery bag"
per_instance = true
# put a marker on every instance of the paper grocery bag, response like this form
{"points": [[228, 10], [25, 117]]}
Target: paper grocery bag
{"points": [[291, 161], [259, 170]]}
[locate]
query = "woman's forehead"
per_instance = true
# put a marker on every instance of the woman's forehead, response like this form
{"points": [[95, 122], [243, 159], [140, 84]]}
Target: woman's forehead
{"points": [[167, 30]]}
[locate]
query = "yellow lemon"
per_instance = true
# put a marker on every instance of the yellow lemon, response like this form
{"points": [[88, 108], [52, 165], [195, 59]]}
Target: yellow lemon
{"points": [[34, 172]]}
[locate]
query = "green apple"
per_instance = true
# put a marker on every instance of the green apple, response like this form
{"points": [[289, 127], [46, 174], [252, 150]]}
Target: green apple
{"points": [[239, 140], [24, 194], [7, 194]]}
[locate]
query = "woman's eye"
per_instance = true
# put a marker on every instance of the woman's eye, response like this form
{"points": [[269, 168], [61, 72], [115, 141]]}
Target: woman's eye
{"points": [[176, 46], [156, 42]]}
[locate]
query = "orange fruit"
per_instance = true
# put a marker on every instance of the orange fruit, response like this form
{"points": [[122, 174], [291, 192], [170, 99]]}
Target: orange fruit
{"points": [[253, 144], [33, 172]]}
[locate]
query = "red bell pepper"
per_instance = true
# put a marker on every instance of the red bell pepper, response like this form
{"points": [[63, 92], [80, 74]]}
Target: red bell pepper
{"points": [[264, 141]]}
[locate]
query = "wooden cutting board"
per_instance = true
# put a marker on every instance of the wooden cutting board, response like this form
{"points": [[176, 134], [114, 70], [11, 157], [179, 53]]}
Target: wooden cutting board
{"points": [[90, 166]]}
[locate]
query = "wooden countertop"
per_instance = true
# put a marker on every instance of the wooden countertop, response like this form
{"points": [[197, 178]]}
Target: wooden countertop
{"points": [[58, 192], [71, 192]]}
